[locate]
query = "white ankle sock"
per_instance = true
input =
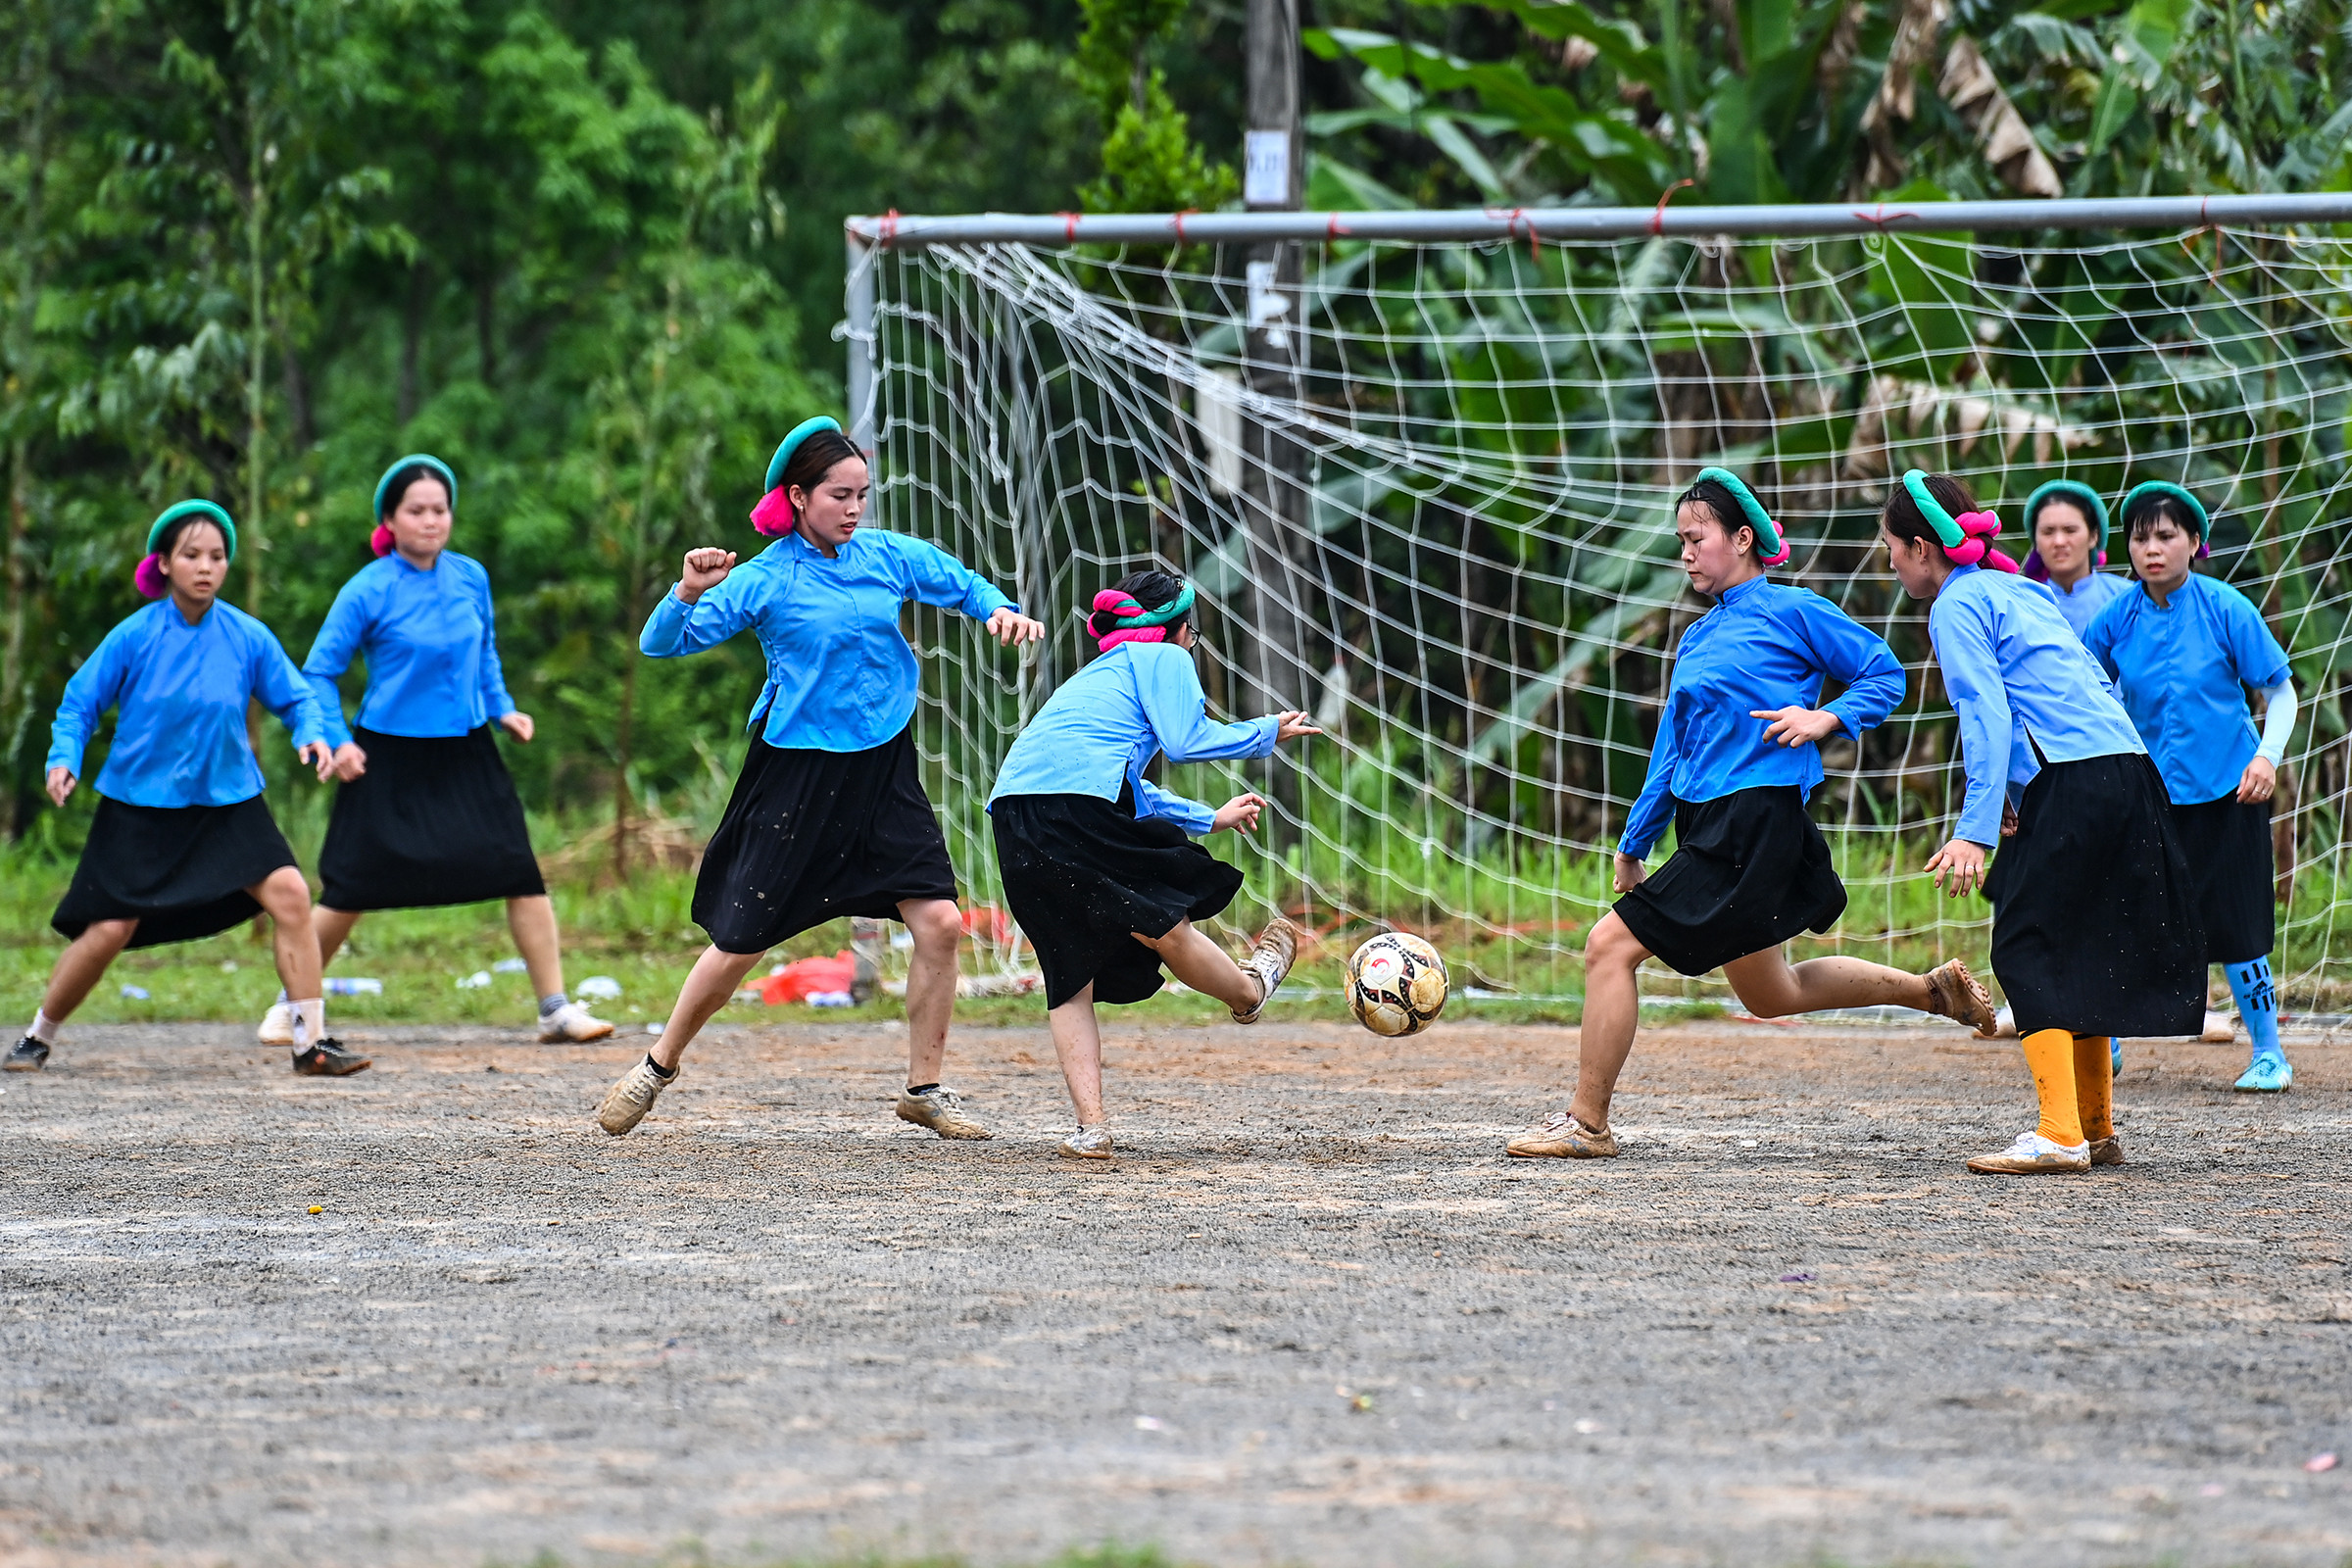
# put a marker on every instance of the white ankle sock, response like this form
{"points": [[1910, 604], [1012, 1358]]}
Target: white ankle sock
{"points": [[309, 1022], [44, 1028]]}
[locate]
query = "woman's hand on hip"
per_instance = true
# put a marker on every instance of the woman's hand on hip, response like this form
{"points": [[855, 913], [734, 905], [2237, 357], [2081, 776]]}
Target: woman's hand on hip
{"points": [[705, 569], [350, 762], [1628, 873], [61, 784], [1239, 813], [1798, 726], [2259, 782], [1958, 867], [519, 724], [1010, 627]]}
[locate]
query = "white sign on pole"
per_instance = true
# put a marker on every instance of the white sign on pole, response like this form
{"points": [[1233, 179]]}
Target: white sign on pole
{"points": [[1266, 160]]}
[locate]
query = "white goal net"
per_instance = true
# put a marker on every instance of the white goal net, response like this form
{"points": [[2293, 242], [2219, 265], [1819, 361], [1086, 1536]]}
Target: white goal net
{"points": [[1425, 494]]}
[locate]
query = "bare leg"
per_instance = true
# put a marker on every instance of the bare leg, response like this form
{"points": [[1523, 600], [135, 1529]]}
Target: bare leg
{"points": [[1079, 1044], [1769, 987], [709, 984], [1612, 1011], [1203, 965], [938, 930], [83, 963], [287, 898], [532, 921], [334, 928]]}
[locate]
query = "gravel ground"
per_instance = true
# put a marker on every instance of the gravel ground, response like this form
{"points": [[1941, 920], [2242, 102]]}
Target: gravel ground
{"points": [[1312, 1315]]}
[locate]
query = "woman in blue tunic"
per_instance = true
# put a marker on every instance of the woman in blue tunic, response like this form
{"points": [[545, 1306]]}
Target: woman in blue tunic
{"points": [[2068, 523], [427, 814], [183, 845], [2183, 649], [1099, 862], [829, 817], [1737, 754], [2094, 931]]}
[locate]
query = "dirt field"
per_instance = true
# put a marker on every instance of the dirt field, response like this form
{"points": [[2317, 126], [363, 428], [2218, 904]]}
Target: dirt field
{"points": [[1312, 1315]]}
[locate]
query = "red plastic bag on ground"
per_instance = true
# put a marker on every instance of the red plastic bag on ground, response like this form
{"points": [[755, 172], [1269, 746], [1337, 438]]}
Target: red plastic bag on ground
{"points": [[804, 978]]}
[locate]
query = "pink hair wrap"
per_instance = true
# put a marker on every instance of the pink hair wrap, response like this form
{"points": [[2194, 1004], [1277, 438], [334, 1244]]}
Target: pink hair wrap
{"points": [[149, 578], [1976, 549], [774, 515], [380, 541], [1111, 601]]}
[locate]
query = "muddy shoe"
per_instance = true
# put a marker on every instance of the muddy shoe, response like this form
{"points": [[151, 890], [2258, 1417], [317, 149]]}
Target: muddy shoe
{"points": [[2107, 1151], [627, 1101], [1270, 961], [30, 1055], [1091, 1142], [1563, 1137], [1954, 993], [277, 1026], [2035, 1156], [941, 1109], [328, 1059], [2220, 1029], [572, 1025]]}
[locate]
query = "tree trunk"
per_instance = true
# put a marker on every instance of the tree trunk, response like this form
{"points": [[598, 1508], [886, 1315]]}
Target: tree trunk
{"points": [[622, 741], [24, 377], [411, 329]]}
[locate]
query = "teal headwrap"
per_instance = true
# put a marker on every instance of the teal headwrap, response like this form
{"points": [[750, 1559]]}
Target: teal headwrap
{"points": [[1771, 549], [414, 460], [2160, 487]]}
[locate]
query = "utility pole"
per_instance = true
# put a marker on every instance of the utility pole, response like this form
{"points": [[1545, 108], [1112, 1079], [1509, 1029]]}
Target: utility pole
{"points": [[1274, 463]]}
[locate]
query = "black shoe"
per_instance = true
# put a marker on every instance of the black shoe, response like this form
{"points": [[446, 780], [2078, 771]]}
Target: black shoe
{"points": [[328, 1059], [31, 1055]]}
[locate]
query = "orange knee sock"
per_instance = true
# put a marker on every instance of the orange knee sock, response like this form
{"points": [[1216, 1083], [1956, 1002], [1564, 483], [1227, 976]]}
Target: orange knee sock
{"points": [[2095, 1085], [2050, 1057]]}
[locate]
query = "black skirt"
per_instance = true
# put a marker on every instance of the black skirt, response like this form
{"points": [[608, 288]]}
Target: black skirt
{"points": [[433, 820], [1749, 870], [2231, 868], [1083, 875], [2094, 920], [180, 871], [810, 836]]}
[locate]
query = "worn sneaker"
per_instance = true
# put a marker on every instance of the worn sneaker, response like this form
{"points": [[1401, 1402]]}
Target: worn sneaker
{"points": [[2034, 1156], [2269, 1075], [328, 1059], [1563, 1137], [1091, 1142], [2220, 1029], [1270, 960], [627, 1101], [1954, 993], [277, 1026], [942, 1110], [30, 1055], [571, 1023], [2107, 1151]]}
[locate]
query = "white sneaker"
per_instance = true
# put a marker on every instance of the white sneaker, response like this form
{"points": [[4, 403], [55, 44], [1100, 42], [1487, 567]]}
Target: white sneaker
{"points": [[277, 1026], [2004, 1025], [570, 1022], [1091, 1142], [2220, 1028], [627, 1101], [941, 1109], [2034, 1156]]}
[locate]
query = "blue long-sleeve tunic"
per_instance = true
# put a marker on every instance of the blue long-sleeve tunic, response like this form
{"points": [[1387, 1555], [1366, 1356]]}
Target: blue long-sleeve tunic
{"points": [[1105, 724], [2182, 672], [2020, 679], [1765, 646], [840, 675], [180, 692], [2081, 604], [431, 640]]}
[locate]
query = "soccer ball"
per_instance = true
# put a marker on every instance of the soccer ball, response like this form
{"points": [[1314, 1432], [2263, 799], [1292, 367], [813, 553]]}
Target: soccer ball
{"points": [[1397, 984]]}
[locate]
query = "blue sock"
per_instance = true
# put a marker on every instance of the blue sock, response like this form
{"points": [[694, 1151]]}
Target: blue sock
{"points": [[2256, 1005]]}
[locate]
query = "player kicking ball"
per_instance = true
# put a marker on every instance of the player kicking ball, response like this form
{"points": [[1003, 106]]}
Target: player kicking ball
{"points": [[1737, 752], [1099, 864]]}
